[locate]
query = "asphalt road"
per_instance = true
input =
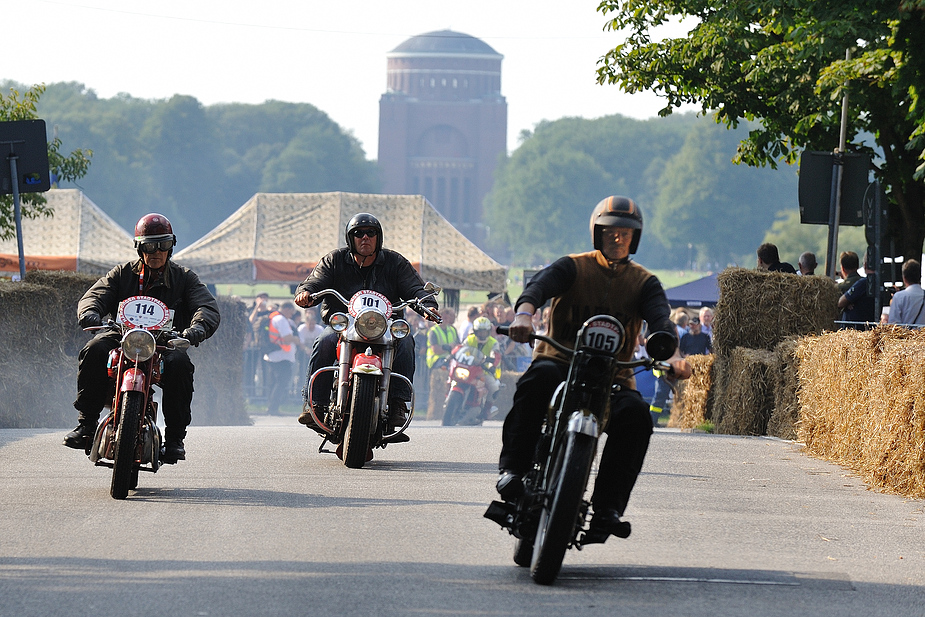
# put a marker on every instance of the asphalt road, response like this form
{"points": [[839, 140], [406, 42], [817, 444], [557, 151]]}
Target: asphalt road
{"points": [[257, 522]]}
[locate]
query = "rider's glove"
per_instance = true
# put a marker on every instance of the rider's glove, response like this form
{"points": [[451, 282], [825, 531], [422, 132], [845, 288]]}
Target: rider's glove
{"points": [[90, 319], [195, 335]]}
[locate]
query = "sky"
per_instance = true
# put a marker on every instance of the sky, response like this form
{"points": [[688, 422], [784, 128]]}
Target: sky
{"points": [[329, 53]]}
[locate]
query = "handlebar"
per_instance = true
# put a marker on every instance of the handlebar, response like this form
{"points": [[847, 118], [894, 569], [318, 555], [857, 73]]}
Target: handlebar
{"points": [[647, 363], [174, 339], [415, 304]]}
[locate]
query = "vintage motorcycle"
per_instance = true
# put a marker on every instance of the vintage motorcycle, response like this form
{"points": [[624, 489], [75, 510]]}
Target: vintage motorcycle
{"points": [[128, 439], [551, 515], [357, 416], [467, 393]]}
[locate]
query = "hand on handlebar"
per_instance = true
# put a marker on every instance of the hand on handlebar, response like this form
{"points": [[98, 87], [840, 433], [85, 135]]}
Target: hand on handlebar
{"points": [[303, 299], [520, 329]]}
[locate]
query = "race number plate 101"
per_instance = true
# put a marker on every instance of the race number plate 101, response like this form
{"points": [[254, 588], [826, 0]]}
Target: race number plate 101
{"points": [[365, 300], [144, 312], [603, 336]]}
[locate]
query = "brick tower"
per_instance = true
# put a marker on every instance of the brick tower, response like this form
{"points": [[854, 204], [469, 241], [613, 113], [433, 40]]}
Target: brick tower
{"points": [[443, 124]]}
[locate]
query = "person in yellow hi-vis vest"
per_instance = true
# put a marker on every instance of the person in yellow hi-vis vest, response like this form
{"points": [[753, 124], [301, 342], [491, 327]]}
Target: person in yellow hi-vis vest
{"points": [[441, 339], [482, 340]]}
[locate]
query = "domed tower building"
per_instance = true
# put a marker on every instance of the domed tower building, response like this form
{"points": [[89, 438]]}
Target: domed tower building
{"points": [[443, 124]]}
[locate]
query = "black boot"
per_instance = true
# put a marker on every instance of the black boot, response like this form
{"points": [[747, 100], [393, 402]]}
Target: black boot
{"points": [[81, 437], [173, 451]]}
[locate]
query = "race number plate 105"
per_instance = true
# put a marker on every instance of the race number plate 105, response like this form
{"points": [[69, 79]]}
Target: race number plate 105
{"points": [[365, 300], [603, 336], [144, 312]]}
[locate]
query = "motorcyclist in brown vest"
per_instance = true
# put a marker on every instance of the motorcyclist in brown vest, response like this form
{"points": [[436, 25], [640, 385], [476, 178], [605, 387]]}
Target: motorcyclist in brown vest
{"points": [[603, 281]]}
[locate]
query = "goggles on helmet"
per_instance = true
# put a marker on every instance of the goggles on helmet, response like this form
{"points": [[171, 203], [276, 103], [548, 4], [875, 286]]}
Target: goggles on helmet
{"points": [[153, 247]]}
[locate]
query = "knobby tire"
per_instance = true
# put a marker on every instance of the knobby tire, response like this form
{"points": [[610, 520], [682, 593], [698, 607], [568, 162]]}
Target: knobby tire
{"points": [[567, 482], [123, 464], [362, 413]]}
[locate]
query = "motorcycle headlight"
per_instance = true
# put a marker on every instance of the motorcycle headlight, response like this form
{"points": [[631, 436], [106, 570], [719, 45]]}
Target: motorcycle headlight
{"points": [[138, 344], [462, 373], [371, 324], [400, 328], [339, 322]]}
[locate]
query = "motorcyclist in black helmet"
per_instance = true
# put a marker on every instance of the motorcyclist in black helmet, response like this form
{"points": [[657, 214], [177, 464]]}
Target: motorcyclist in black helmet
{"points": [[362, 264], [195, 316], [604, 280]]}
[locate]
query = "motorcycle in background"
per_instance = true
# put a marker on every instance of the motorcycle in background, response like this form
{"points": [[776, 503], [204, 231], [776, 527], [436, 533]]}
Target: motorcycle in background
{"points": [[357, 417], [128, 439], [467, 395], [551, 515]]}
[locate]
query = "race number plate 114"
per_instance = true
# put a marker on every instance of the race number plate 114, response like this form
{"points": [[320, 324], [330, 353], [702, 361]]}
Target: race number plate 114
{"points": [[144, 312]]}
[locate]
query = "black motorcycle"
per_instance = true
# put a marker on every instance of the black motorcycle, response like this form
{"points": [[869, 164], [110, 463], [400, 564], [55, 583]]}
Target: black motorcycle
{"points": [[551, 515]]}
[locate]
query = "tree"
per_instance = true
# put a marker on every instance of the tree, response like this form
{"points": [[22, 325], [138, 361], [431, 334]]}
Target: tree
{"points": [[784, 65], [69, 168]]}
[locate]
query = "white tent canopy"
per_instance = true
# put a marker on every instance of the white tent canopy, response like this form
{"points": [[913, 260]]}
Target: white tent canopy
{"points": [[280, 237], [79, 237]]}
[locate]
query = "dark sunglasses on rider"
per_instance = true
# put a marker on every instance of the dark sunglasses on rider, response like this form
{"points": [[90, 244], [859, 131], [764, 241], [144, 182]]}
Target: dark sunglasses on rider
{"points": [[153, 247], [359, 233]]}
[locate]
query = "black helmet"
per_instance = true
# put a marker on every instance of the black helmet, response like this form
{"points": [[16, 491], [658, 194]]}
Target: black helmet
{"points": [[363, 219], [616, 211], [154, 227]]}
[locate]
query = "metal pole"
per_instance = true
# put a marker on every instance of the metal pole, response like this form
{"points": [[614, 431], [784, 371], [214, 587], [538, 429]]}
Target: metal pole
{"points": [[17, 215], [837, 175]]}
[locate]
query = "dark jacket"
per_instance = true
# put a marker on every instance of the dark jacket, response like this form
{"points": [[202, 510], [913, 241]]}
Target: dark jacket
{"points": [[391, 275], [180, 289]]}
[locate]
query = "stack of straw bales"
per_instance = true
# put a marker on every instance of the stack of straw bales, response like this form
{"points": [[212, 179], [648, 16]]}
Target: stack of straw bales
{"points": [[38, 324], [693, 402]]}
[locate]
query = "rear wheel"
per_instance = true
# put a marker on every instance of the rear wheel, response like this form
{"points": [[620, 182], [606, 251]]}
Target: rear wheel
{"points": [[567, 481], [362, 413], [124, 472], [453, 408]]}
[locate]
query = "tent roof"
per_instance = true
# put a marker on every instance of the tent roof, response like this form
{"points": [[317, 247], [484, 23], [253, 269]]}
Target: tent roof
{"points": [[280, 237], [80, 236], [702, 292]]}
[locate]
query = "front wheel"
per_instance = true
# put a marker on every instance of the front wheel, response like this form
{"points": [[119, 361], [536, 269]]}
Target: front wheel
{"points": [[523, 552], [362, 414], [124, 473], [453, 408], [571, 466]]}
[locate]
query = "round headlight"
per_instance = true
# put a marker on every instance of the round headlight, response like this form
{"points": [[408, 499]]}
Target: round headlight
{"points": [[138, 344], [400, 328], [339, 322], [371, 324]]}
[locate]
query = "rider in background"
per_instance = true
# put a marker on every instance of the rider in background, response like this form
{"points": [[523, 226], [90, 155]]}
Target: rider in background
{"points": [[362, 264], [482, 341], [603, 281], [196, 318]]}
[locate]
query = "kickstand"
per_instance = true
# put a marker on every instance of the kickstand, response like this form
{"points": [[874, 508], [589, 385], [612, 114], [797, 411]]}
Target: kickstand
{"points": [[321, 447]]}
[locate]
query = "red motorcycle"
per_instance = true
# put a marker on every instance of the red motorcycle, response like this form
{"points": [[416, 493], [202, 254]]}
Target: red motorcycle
{"points": [[468, 393], [128, 439]]}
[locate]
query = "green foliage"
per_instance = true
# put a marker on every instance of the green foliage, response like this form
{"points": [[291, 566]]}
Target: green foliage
{"points": [[23, 106], [784, 65], [698, 206], [198, 164]]}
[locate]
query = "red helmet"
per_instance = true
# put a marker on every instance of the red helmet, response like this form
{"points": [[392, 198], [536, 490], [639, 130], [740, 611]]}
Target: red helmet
{"points": [[154, 227], [616, 211]]}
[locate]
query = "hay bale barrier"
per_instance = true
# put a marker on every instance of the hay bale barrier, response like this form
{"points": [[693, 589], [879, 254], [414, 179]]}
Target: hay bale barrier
{"points": [[748, 398], [71, 287], [786, 412], [692, 408]]}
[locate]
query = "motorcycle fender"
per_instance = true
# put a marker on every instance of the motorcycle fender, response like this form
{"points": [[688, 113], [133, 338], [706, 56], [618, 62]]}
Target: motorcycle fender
{"points": [[369, 364], [133, 379], [584, 423]]}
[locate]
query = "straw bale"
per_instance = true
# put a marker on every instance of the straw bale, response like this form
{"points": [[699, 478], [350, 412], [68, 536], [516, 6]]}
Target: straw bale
{"points": [[71, 286], [692, 405], [748, 393], [760, 309], [38, 384], [786, 412], [219, 361]]}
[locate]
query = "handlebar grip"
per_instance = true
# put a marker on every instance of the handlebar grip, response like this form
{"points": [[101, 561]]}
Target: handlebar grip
{"points": [[503, 330]]}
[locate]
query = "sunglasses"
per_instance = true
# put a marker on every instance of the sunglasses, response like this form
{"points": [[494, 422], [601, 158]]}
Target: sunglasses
{"points": [[153, 247], [359, 233]]}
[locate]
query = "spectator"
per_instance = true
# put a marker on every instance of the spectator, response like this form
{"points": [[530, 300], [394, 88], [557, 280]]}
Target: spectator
{"points": [[906, 306], [680, 319], [255, 311], [280, 361], [308, 332], [849, 264], [769, 260], [857, 303], [472, 314], [807, 264], [706, 321], [695, 341]]}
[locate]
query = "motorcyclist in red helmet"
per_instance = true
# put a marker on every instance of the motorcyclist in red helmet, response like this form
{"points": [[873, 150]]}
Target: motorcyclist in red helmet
{"points": [[604, 280], [195, 316]]}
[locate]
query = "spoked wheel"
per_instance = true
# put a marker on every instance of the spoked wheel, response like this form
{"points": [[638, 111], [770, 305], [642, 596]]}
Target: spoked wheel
{"points": [[453, 408], [124, 471], [567, 481], [359, 427]]}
